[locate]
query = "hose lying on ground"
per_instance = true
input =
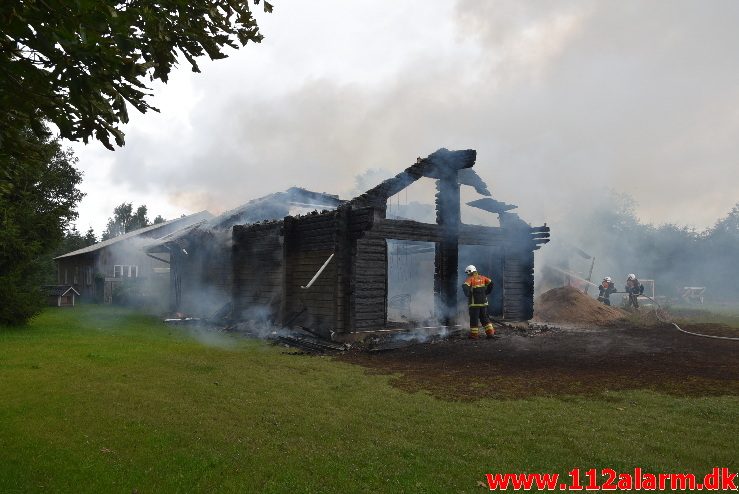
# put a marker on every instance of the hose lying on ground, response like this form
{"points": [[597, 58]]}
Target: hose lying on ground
{"points": [[656, 313]]}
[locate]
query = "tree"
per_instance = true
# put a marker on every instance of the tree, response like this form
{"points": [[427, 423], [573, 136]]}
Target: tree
{"points": [[675, 256], [78, 64], [721, 246], [125, 220], [727, 227], [38, 197], [159, 219], [74, 240], [90, 238]]}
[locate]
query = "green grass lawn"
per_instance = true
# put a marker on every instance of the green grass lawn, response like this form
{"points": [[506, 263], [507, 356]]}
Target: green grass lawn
{"points": [[97, 399], [728, 315]]}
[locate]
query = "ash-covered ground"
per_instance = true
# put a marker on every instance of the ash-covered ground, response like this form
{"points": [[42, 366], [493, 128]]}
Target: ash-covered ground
{"points": [[576, 357]]}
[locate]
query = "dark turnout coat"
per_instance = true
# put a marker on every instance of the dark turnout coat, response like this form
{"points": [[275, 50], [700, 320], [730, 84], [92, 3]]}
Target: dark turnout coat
{"points": [[606, 289], [477, 287]]}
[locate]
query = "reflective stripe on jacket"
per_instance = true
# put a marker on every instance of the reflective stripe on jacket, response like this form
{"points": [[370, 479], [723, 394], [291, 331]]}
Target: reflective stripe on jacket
{"points": [[476, 288]]}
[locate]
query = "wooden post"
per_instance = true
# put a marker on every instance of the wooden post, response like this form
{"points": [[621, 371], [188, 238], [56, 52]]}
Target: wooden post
{"points": [[590, 274], [343, 258], [448, 217]]}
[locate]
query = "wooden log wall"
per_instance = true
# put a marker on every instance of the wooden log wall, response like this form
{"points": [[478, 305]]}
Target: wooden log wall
{"points": [[518, 274], [272, 261], [344, 268], [258, 271], [309, 241], [518, 284], [369, 283], [175, 280]]}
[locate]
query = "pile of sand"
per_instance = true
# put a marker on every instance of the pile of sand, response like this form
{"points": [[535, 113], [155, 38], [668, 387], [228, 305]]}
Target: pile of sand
{"points": [[570, 305]]}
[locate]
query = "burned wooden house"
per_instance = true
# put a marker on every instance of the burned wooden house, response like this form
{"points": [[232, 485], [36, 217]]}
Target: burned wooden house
{"points": [[199, 257], [329, 271]]}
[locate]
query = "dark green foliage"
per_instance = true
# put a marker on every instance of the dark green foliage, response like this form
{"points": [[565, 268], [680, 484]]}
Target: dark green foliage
{"points": [[125, 220], [78, 64], [675, 256], [722, 245], [38, 196], [74, 240]]}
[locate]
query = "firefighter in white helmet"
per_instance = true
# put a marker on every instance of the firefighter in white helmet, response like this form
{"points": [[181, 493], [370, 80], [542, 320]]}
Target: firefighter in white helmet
{"points": [[634, 289], [606, 288], [477, 287]]}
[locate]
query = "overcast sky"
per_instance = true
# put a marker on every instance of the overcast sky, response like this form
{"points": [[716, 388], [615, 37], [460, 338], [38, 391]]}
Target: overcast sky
{"points": [[562, 100]]}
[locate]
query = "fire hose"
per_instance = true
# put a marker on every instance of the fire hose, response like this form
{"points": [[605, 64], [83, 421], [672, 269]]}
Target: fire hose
{"points": [[656, 313]]}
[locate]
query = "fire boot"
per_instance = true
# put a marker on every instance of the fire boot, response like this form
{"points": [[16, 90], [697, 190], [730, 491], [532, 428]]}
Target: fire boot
{"points": [[489, 330], [474, 333]]}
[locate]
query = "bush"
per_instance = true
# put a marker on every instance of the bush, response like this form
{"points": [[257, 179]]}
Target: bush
{"points": [[20, 303]]}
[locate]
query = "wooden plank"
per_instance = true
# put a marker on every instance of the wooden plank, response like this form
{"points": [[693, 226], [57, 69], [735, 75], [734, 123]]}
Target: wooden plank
{"points": [[369, 286], [370, 292], [328, 299], [370, 324], [367, 247], [315, 232], [369, 314], [372, 256]]}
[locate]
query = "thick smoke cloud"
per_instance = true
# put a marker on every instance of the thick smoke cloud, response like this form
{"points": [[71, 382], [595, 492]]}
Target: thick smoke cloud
{"points": [[562, 100]]}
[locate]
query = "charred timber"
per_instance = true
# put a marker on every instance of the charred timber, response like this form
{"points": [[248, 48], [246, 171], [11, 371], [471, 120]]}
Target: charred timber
{"points": [[438, 164], [446, 259]]}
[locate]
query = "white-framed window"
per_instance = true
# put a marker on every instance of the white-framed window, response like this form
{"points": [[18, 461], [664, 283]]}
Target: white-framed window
{"points": [[76, 277], [66, 276], [125, 271]]}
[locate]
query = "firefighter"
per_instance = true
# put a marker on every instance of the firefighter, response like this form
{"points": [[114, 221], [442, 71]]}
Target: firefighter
{"points": [[634, 289], [607, 287], [476, 288]]}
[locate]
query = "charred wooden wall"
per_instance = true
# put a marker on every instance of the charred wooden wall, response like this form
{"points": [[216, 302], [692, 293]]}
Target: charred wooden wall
{"points": [[369, 283], [259, 270], [518, 272], [176, 268], [446, 263], [273, 261], [518, 284], [309, 241]]}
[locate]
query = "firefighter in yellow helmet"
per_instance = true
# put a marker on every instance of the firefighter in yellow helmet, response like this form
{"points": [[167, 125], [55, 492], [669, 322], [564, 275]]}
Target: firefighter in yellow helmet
{"points": [[477, 287]]}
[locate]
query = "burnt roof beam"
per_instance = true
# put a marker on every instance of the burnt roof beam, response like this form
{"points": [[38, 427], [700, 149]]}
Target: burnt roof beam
{"points": [[468, 234], [440, 164]]}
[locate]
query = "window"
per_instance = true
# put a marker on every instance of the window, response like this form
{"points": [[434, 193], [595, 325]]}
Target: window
{"points": [[76, 277], [66, 276], [88, 276], [125, 271]]}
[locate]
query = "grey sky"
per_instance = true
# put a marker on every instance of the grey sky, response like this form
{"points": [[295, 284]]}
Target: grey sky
{"points": [[562, 100]]}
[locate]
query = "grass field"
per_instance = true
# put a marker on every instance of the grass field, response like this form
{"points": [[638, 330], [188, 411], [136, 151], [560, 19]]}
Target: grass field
{"points": [[96, 399]]}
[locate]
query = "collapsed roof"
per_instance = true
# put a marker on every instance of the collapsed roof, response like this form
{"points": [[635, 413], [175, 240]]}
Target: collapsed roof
{"points": [[270, 207]]}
